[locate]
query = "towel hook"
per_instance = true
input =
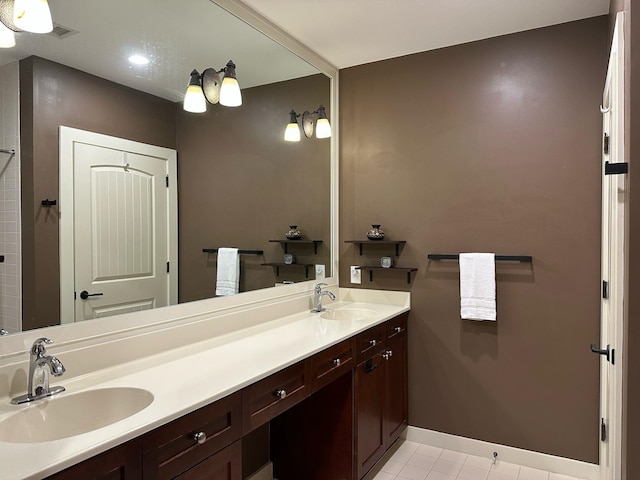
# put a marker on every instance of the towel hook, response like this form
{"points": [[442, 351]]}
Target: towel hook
{"points": [[604, 110]]}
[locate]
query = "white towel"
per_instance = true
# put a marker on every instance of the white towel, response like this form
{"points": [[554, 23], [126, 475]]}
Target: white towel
{"points": [[228, 279], [478, 286]]}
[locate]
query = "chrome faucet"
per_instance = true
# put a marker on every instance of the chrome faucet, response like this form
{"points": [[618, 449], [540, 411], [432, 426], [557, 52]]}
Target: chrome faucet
{"points": [[3, 331], [318, 293], [40, 366]]}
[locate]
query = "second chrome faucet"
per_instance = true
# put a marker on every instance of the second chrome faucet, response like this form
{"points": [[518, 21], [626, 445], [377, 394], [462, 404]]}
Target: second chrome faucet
{"points": [[318, 295]]}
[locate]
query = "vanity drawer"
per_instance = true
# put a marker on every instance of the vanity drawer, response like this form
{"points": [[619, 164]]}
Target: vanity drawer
{"points": [[331, 363], [224, 465], [370, 341], [172, 449], [271, 396], [397, 326]]}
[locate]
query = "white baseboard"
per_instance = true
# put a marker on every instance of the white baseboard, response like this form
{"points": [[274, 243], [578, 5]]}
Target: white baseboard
{"points": [[528, 458], [265, 473]]}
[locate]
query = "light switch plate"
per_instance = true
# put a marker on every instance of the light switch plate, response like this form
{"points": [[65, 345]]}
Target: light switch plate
{"points": [[356, 274], [319, 271]]}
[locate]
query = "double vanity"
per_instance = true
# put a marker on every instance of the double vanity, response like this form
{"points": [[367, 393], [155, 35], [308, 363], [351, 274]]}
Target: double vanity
{"points": [[157, 405]]}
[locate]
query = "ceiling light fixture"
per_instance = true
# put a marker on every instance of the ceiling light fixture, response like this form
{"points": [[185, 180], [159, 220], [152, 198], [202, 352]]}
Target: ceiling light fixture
{"points": [[32, 16], [311, 121], [207, 87]]}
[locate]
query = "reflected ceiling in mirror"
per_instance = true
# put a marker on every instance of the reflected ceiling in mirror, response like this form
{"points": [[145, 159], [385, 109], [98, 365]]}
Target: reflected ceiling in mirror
{"points": [[239, 184]]}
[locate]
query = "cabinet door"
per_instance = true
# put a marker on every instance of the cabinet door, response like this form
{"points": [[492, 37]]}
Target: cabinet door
{"points": [[369, 410], [224, 465], [394, 358], [119, 463]]}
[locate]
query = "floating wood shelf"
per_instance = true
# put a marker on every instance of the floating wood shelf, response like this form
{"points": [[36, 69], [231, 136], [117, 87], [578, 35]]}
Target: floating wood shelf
{"points": [[397, 243], [286, 243], [277, 266], [370, 269]]}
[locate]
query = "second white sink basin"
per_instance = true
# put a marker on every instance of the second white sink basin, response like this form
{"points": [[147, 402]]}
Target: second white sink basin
{"points": [[347, 314], [73, 414]]}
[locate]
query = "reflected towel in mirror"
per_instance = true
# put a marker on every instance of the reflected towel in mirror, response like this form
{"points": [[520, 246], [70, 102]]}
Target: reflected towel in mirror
{"points": [[228, 278]]}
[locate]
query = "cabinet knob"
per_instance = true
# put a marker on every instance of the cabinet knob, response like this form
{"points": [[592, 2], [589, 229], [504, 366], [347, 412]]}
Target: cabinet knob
{"points": [[397, 329], [373, 342], [200, 437], [282, 393], [387, 355], [336, 362]]}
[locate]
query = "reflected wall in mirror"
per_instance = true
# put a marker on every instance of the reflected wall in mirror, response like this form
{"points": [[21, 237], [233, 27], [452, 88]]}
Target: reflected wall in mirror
{"points": [[239, 184]]}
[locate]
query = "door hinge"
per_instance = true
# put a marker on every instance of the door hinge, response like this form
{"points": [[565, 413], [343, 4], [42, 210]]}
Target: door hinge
{"points": [[167, 267], [619, 168], [167, 179], [603, 430], [605, 289], [605, 144]]}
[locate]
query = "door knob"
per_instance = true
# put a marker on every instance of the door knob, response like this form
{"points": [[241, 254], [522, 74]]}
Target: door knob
{"points": [[607, 352], [84, 294]]}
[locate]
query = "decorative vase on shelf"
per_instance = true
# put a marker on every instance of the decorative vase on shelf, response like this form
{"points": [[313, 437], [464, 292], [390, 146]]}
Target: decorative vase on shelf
{"points": [[293, 233], [375, 233]]}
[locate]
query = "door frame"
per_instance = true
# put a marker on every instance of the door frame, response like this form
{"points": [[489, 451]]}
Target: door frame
{"points": [[68, 137], [613, 260]]}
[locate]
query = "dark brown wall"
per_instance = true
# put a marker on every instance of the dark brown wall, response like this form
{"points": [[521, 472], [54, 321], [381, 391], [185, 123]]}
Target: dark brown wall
{"points": [[488, 146], [52, 95], [242, 186], [631, 355]]}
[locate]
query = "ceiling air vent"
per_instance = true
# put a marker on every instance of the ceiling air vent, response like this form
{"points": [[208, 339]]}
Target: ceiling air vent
{"points": [[61, 32]]}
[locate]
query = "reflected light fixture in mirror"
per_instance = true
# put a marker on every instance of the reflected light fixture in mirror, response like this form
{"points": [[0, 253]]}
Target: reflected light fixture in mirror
{"points": [[207, 88], [32, 16], [311, 121]]}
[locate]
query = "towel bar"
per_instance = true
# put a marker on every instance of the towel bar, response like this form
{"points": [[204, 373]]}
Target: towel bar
{"points": [[499, 258], [241, 252]]}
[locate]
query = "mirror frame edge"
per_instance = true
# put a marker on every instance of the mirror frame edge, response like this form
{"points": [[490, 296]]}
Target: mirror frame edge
{"points": [[96, 332]]}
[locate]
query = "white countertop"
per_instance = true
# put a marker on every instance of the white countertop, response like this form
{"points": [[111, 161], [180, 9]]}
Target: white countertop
{"points": [[185, 379]]}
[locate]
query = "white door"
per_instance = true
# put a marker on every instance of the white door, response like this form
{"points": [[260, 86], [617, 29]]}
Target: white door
{"points": [[118, 225], [613, 240]]}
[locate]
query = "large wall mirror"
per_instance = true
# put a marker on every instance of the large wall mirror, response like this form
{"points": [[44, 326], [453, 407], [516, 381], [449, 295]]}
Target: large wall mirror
{"points": [[239, 184]]}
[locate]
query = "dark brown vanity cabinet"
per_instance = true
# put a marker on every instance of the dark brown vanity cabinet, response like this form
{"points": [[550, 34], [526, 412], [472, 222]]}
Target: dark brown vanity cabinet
{"points": [[381, 407], [333, 415]]}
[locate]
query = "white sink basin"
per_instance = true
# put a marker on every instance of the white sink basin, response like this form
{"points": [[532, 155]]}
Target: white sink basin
{"points": [[347, 314], [72, 414]]}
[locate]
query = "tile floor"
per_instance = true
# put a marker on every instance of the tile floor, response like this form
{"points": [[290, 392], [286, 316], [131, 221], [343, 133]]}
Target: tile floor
{"points": [[414, 461]]}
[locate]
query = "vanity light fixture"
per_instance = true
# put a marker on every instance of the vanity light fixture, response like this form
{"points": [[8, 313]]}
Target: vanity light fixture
{"points": [[207, 87], [311, 121], [7, 37]]}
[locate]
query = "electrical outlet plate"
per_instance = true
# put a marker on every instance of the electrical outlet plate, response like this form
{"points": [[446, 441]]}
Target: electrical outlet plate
{"points": [[356, 274], [319, 271]]}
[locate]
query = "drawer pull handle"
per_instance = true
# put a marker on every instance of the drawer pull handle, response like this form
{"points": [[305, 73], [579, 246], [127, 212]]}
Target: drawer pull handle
{"points": [[373, 342], [387, 355], [200, 437], [397, 329], [282, 393], [336, 362]]}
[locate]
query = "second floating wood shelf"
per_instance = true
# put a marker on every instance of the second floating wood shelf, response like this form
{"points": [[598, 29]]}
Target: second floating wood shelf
{"points": [[397, 243], [277, 266], [370, 269]]}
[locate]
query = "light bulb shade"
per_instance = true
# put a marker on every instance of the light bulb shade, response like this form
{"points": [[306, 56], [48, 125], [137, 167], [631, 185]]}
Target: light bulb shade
{"points": [[194, 100], [230, 95], [292, 133], [32, 16], [7, 37], [323, 128]]}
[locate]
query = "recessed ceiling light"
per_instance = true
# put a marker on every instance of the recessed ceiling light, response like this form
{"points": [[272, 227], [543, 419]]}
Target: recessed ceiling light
{"points": [[138, 60]]}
